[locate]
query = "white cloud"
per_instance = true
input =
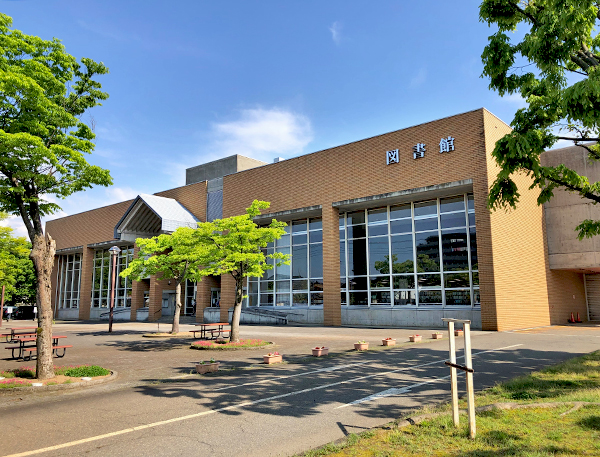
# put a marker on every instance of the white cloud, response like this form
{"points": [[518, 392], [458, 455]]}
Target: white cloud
{"points": [[261, 134], [419, 78], [515, 99], [119, 194], [336, 32]]}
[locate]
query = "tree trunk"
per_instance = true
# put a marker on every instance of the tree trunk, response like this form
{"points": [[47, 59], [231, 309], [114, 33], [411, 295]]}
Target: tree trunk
{"points": [[175, 328], [42, 255], [237, 311]]}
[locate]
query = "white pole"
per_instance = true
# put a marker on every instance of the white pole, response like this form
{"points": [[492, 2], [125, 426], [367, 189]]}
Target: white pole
{"points": [[453, 380], [470, 390]]}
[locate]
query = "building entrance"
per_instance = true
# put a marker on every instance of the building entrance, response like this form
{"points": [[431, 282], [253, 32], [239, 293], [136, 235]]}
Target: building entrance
{"points": [[168, 303]]}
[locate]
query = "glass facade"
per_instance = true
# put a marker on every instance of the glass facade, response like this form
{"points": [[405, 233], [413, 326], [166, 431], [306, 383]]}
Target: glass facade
{"points": [[102, 275], [189, 304], [414, 254], [69, 281], [300, 283]]}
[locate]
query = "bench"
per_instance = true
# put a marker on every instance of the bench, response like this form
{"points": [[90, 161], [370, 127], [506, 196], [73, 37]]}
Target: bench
{"points": [[216, 333], [14, 348], [54, 350]]}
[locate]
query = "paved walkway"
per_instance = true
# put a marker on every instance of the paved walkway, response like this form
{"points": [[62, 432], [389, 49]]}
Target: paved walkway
{"points": [[263, 411]]}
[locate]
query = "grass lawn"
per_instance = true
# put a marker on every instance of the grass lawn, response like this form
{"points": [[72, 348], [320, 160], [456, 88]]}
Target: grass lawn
{"points": [[562, 430], [225, 344]]}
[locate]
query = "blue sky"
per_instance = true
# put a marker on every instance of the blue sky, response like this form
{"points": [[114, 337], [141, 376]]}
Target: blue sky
{"points": [[193, 81]]}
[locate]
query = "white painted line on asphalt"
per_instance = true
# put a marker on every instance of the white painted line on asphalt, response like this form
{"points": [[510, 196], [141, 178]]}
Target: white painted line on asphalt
{"points": [[392, 391], [304, 373], [226, 408]]}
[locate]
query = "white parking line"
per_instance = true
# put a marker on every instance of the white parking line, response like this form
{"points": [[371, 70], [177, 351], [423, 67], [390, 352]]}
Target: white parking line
{"points": [[392, 391], [226, 408]]}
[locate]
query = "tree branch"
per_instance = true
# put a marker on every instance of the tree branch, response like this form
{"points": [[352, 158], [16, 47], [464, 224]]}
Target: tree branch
{"points": [[577, 139]]}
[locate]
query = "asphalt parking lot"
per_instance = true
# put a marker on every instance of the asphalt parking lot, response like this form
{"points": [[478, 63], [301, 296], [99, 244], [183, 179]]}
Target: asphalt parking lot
{"points": [[157, 407]]}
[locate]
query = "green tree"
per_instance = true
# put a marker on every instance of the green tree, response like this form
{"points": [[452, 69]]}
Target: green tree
{"points": [[173, 256], [44, 93], [553, 63], [14, 261], [233, 246]]}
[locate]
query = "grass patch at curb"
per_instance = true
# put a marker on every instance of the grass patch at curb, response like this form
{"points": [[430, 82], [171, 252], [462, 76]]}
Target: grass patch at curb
{"points": [[555, 429], [24, 377], [225, 344]]}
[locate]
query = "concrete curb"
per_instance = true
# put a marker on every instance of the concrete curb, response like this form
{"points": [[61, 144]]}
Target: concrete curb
{"points": [[71, 386]]}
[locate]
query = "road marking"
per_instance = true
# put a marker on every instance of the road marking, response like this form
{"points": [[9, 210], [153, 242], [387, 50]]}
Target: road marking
{"points": [[226, 408], [392, 391], [276, 378]]}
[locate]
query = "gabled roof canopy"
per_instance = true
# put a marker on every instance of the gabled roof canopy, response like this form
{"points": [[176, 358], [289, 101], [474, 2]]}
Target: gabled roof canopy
{"points": [[150, 215]]}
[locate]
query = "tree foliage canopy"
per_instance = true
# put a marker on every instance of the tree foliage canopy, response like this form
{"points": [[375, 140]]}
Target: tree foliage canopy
{"points": [[16, 268], [555, 67], [44, 92]]}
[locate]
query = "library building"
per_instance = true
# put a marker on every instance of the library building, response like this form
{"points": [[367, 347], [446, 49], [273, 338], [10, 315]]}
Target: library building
{"points": [[388, 231]]}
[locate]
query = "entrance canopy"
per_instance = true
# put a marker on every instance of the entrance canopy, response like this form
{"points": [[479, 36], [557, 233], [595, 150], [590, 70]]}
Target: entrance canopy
{"points": [[150, 215]]}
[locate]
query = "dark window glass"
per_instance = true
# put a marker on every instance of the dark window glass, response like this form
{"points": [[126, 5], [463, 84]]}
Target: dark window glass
{"points": [[404, 282], [456, 280], [266, 285], [377, 215], [282, 286], [405, 297], [299, 259], [470, 202], [315, 224], [357, 283], [357, 231], [342, 283], [400, 211], [429, 280], [316, 285], [342, 258], [476, 299], [299, 284], [316, 237], [269, 274], [426, 224], [401, 226], [380, 282], [378, 230], [283, 271], [454, 249], [357, 257], [402, 254], [430, 297], [425, 208], [428, 252], [299, 239], [316, 260], [266, 299], [282, 300], [452, 204], [341, 220], [299, 226], [299, 299], [458, 297], [356, 217], [316, 299], [359, 298], [471, 219], [283, 241], [343, 298], [473, 236], [453, 220], [475, 278], [379, 256], [381, 298]]}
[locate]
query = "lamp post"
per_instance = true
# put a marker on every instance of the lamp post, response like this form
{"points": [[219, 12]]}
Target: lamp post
{"points": [[114, 252]]}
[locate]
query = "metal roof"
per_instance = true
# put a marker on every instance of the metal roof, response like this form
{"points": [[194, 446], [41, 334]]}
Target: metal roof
{"points": [[150, 215]]}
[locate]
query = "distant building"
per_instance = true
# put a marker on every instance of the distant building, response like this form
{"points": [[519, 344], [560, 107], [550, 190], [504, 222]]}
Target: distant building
{"points": [[391, 230]]}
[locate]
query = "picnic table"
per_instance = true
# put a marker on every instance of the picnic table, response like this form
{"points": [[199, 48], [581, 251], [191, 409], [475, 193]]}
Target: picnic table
{"points": [[26, 346], [16, 332], [215, 330]]}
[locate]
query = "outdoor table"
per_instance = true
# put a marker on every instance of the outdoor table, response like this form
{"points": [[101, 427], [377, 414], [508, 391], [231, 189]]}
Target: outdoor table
{"points": [[206, 328], [23, 345], [10, 337]]}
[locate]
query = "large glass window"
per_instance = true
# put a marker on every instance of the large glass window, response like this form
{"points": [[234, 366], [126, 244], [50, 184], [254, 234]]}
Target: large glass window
{"points": [[413, 254], [68, 281], [102, 275], [301, 282]]}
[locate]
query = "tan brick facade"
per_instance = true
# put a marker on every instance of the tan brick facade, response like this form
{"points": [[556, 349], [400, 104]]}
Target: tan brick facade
{"points": [[517, 288]]}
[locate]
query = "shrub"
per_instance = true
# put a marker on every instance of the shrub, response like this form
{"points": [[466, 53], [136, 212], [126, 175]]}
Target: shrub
{"points": [[86, 370]]}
